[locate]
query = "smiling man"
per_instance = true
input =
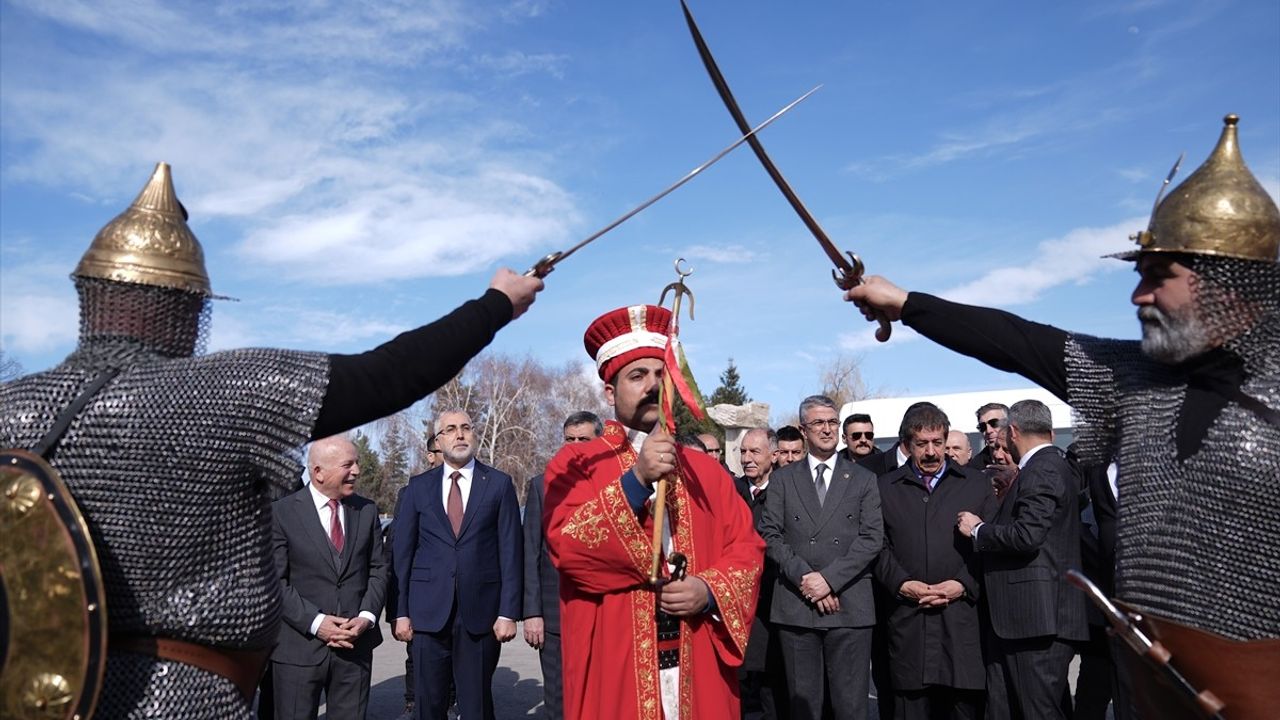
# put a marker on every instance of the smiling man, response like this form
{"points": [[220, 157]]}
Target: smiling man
{"points": [[327, 547], [1191, 414], [633, 651]]}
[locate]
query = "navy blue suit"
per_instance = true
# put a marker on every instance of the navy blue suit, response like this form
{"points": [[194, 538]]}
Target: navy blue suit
{"points": [[435, 570]]}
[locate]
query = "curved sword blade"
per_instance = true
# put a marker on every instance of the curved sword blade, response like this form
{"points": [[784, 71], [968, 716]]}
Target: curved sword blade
{"points": [[722, 87], [548, 263]]}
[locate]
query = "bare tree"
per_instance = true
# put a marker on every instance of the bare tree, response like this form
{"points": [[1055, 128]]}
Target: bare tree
{"points": [[841, 379], [9, 368]]}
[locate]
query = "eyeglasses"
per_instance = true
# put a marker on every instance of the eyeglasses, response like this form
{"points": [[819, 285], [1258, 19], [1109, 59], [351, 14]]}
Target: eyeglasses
{"points": [[861, 435], [816, 425], [993, 423]]}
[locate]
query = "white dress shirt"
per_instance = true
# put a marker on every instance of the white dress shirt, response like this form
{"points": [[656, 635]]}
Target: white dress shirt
{"points": [[326, 516], [464, 483]]}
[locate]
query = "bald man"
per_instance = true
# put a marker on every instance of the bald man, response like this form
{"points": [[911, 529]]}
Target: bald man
{"points": [[327, 547], [958, 447]]}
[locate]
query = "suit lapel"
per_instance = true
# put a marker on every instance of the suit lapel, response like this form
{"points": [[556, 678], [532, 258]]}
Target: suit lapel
{"points": [[435, 504], [310, 519], [804, 488], [351, 529], [479, 486], [838, 481]]}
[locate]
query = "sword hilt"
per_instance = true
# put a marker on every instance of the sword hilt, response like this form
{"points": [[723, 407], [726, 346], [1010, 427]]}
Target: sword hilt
{"points": [[543, 267], [847, 277]]}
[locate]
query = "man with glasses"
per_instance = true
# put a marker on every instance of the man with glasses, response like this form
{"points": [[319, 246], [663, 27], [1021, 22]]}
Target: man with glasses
{"points": [[991, 417], [822, 527], [457, 551], [859, 437]]}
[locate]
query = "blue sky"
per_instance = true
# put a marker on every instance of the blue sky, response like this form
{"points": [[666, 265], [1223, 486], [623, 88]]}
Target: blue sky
{"points": [[355, 169]]}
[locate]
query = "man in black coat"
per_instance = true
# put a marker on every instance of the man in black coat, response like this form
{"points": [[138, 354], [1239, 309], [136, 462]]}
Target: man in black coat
{"points": [[762, 678], [991, 418], [1027, 547], [931, 574], [542, 582]]}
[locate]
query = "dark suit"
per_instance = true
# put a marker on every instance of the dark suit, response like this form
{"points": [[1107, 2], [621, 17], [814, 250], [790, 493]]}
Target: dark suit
{"points": [[393, 596], [315, 579], [762, 678], [881, 462], [935, 653], [1035, 616], [840, 538], [453, 589], [542, 598]]}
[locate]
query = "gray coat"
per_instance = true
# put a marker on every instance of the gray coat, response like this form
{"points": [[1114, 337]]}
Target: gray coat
{"points": [[839, 538], [541, 581], [314, 579]]}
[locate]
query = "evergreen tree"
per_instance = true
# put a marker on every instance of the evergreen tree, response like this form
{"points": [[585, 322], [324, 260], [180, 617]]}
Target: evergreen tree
{"points": [[370, 469], [730, 391]]}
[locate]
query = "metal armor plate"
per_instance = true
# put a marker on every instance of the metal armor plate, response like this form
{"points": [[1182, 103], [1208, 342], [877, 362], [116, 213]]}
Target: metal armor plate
{"points": [[53, 638]]}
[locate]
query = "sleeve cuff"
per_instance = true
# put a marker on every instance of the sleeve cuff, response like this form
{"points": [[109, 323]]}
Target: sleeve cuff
{"points": [[373, 619], [315, 624], [636, 492], [976, 528]]}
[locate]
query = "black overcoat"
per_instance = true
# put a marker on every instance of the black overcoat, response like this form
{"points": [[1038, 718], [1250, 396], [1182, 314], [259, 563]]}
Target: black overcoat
{"points": [[932, 646]]}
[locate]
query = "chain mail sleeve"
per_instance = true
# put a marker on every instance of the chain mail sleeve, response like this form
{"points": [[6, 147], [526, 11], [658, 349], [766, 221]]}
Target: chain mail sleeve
{"points": [[400, 372]]}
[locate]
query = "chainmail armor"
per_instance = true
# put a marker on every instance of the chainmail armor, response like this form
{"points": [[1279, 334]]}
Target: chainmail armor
{"points": [[1198, 540], [170, 464]]}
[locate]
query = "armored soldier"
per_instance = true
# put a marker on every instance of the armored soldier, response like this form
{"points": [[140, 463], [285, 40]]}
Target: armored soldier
{"points": [[172, 458], [1191, 415]]}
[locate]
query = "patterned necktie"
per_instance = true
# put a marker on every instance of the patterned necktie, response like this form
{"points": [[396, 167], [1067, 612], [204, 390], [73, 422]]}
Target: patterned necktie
{"points": [[821, 483], [454, 506], [335, 527]]}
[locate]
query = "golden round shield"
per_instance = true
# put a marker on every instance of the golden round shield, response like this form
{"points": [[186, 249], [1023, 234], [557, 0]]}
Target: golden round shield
{"points": [[53, 638]]}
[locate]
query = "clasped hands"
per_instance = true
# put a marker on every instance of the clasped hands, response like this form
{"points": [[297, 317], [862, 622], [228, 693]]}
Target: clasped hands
{"points": [[925, 595], [815, 590], [340, 632]]}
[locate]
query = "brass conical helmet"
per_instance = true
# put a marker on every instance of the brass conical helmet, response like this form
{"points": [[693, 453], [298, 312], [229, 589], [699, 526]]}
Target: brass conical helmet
{"points": [[149, 243], [1221, 209]]}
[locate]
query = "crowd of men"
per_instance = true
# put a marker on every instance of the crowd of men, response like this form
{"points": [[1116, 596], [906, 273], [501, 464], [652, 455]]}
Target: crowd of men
{"points": [[925, 570]]}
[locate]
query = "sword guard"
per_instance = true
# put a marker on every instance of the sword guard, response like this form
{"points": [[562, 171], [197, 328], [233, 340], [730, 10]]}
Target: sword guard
{"points": [[849, 276], [543, 267]]}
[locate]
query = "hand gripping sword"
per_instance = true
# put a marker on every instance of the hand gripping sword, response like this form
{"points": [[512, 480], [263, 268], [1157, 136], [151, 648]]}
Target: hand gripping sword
{"points": [[544, 266], [847, 273]]}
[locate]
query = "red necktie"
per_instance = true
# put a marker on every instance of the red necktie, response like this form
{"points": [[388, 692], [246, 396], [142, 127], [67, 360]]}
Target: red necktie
{"points": [[454, 506], [335, 526]]}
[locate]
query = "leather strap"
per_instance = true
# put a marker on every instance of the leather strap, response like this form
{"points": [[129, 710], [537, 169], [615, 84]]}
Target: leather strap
{"points": [[1242, 674], [242, 667]]}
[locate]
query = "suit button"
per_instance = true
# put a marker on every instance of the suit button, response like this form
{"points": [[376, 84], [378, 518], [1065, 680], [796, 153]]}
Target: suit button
{"points": [[812, 541], [837, 541], [925, 498], [797, 517]]}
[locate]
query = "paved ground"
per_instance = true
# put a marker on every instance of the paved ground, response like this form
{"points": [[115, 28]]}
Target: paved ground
{"points": [[517, 684]]}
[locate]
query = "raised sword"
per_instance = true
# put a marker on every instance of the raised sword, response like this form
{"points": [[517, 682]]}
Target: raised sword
{"points": [[848, 272], [548, 263]]}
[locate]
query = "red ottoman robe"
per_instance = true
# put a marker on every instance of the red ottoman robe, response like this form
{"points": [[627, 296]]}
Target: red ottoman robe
{"points": [[603, 553]]}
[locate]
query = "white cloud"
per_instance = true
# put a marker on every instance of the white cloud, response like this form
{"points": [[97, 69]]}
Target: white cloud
{"points": [[38, 307], [269, 115], [1073, 258], [721, 254]]}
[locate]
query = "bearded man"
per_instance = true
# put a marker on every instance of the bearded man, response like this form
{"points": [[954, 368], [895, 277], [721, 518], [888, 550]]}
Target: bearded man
{"points": [[632, 651], [1191, 415], [172, 459]]}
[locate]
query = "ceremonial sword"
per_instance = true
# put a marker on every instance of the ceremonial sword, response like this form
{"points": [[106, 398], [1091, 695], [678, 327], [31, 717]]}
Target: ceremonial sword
{"points": [[548, 263], [847, 273], [1125, 628]]}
